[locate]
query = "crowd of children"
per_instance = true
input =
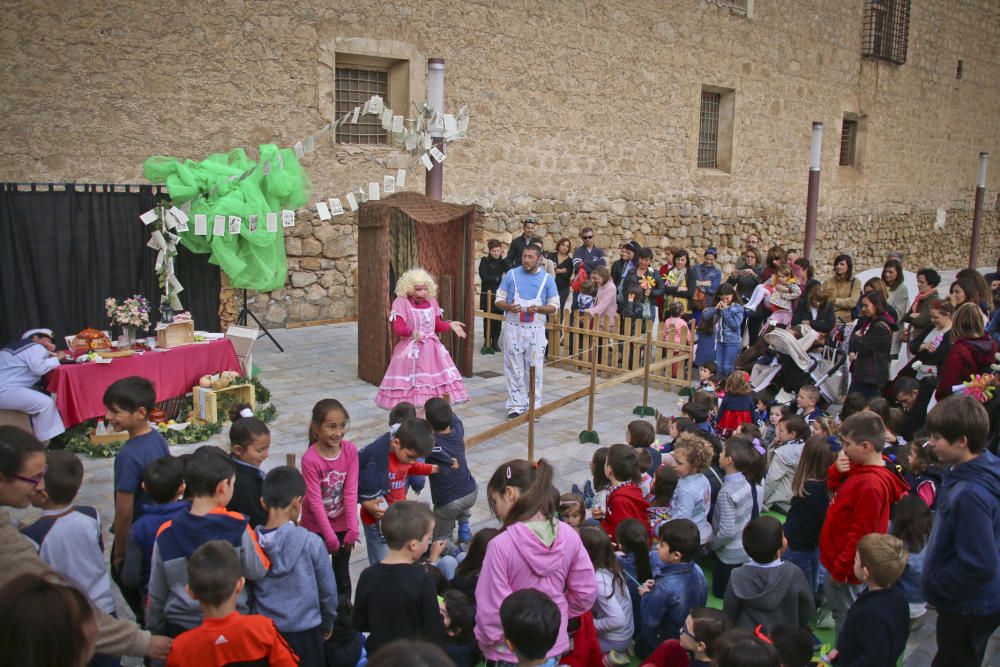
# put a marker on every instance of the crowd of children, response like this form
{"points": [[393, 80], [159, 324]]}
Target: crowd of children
{"points": [[816, 524]]}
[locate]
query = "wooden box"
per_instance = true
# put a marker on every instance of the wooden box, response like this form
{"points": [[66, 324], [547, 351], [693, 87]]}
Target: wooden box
{"points": [[108, 438], [207, 401], [175, 334]]}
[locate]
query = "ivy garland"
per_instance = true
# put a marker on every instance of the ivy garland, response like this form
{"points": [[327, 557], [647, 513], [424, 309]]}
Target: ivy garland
{"points": [[77, 438]]}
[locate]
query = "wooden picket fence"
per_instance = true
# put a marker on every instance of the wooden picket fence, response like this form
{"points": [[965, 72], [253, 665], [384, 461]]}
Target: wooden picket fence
{"points": [[620, 346]]}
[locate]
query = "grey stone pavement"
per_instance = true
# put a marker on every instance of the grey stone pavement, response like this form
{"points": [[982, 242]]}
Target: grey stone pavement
{"points": [[321, 362]]}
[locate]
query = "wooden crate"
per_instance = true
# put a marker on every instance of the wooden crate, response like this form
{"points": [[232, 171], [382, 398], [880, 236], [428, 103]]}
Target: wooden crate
{"points": [[175, 334], [206, 401], [108, 438]]}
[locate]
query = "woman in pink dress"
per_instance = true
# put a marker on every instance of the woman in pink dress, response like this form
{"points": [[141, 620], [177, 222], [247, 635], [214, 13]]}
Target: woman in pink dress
{"points": [[421, 367]]}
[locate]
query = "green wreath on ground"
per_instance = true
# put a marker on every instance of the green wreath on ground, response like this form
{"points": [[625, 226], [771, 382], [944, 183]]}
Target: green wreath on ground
{"points": [[77, 438]]}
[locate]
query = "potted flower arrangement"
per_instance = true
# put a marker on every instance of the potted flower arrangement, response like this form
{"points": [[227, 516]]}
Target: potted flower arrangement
{"points": [[131, 315]]}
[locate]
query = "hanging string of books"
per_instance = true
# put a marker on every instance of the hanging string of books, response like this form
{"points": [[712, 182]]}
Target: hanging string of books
{"points": [[234, 201]]}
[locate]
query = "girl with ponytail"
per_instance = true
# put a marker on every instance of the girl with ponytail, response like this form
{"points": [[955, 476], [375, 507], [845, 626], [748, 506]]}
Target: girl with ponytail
{"points": [[533, 550]]}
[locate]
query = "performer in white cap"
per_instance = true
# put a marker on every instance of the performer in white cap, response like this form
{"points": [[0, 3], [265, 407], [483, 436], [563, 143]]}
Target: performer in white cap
{"points": [[22, 365], [526, 295]]}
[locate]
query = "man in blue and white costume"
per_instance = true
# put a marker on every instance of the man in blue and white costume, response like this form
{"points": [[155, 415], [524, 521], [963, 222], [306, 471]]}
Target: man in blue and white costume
{"points": [[22, 365], [526, 295]]}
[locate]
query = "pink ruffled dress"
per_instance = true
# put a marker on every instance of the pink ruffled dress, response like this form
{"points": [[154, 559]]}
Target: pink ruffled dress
{"points": [[419, 369]]}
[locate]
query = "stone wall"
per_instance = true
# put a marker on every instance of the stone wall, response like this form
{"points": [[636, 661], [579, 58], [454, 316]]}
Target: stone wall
{"points": [[583, 113]]}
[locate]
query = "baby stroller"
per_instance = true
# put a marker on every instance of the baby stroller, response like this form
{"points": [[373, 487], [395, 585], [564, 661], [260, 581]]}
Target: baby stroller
{"points": [[793, 363]]}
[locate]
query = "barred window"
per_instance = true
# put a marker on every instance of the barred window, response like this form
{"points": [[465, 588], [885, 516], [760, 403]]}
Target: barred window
{"points": [[886, 30], [848, 142], [708, 131], [354, 87]]}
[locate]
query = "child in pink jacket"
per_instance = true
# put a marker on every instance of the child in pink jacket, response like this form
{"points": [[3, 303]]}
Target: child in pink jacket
{"points": [[330, 468], [534, 550]]}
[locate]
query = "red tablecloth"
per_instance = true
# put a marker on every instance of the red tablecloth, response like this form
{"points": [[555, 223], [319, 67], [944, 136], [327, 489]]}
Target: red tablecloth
{"points": [[79, 388]]}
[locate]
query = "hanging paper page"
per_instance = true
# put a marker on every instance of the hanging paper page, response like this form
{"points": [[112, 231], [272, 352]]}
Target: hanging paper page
{"points": [[287, 218], [373, 191], [351, 201], [400, 178], [388, 184], [299, 150], [149, 217], [235, 224], [375, 105], [324, 212], [438, 155], [336, 208], [252, 223], [200, 224], [272, 222], [426, 160], [219, 228]]}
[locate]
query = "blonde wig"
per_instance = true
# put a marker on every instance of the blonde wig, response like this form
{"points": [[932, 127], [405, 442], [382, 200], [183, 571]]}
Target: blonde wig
{"points": [[409, 280]]}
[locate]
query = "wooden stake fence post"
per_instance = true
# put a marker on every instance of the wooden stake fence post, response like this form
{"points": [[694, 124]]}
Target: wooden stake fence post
{"points": [[487, 348], [644, 409], [590, 435], [531, 413]]}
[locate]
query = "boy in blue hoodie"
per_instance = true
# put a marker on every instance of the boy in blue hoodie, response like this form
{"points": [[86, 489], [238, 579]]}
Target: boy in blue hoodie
{"points": [[678, 586], [209, 475], [961, 568], [454, 490], [299, 592], [163, 482]]}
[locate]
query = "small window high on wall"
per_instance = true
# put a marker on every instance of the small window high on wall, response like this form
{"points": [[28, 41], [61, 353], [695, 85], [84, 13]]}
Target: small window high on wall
{"points": [[886, 30], [715, 128], [355, 86]]}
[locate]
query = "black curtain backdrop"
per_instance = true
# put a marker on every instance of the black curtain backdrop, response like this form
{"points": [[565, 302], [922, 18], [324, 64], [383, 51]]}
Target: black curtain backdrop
{"points": [[63, 252]]}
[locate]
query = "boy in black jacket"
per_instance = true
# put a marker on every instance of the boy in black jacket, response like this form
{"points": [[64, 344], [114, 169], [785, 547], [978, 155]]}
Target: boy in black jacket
{"points": [[878, 623]]}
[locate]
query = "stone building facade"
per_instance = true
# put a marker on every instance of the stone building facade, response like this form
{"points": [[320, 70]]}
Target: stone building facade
{"points": [[583, 114]]}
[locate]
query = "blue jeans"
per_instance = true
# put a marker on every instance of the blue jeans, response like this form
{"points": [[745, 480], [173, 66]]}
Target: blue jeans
{"points": [[808, 562], [725, 357], [375, 542]]}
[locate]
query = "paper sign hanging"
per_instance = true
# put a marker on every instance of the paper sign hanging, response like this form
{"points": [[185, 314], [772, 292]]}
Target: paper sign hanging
{"points": [[400, 179], [219, 227], [397, 124], [375, 105], [182, 225], [272, 222], [299, 150], [388, 184], [426, 160], [386, 118], [157, 241], [352, 201], [324, 212], [235, 224], [354, 116], [265, 168], [428, 142], [180, 215], [410, 141], [365, 109], [149, 217], [200, 224], [438, 155], [336, 208], [169, 221], [309, 145], [450, 125], [252, 223], [373, 191], [287, 218]]}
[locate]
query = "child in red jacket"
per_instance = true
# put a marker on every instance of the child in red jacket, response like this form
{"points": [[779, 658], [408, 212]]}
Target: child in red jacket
{"points": [[865, 485], [625, 499]]}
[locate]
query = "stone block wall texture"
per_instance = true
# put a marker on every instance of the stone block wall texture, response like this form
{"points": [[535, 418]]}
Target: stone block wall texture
{"points": [[583, 114]]}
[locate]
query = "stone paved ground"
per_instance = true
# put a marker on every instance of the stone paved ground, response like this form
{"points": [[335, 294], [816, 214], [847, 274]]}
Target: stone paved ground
{"points": [[321, 362]]}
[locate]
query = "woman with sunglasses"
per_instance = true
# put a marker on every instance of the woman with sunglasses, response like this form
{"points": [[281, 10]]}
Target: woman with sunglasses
{"points": [[22, 472]]}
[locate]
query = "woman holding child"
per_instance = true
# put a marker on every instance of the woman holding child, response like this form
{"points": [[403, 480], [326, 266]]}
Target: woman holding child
{"points": [[421, 367]]}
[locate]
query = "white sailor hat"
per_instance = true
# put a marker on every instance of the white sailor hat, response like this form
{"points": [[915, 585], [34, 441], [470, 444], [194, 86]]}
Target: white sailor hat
{"points": [[36, 332]]}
